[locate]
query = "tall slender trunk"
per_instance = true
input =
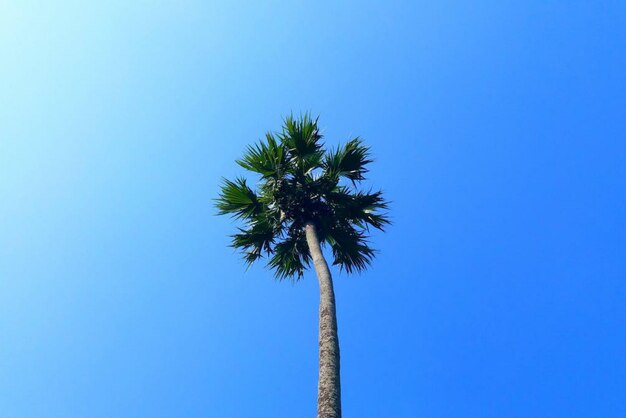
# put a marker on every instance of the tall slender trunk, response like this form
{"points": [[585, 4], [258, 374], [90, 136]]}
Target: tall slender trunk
{"points": [[329, 386]]}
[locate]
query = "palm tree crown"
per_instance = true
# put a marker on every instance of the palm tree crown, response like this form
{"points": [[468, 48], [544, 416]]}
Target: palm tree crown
{"points": [[300, 183]]}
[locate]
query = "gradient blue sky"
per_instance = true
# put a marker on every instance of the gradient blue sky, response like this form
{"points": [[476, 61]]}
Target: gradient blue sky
{"points": [[499, 131]]}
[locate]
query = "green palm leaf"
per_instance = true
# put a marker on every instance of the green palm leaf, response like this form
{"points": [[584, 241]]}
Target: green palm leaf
{"points": [[350, 248], [266, 158], [291, 257], [237, 199], [301, 136], [362, 209], [259, 237], [350, 161]]}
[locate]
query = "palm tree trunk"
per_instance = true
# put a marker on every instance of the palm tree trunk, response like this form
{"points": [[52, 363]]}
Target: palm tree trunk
{"points": [[329, 387]]}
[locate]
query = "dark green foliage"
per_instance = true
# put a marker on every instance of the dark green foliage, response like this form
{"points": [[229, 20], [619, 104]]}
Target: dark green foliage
{"points": [[301, 182], [349, 161], [238, 199]]}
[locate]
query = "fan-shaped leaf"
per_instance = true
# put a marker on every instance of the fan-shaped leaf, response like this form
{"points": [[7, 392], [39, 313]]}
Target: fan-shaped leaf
{"points": [[350, 248], [349, 161], [291, 257], [266, 158], [237, 199], [301, 137]]}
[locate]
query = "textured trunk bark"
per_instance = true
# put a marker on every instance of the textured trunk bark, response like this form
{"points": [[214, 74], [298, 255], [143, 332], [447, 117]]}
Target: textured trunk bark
{"points": [[329, 387]]}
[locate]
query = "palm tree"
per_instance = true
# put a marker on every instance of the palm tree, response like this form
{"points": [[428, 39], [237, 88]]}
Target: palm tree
{"points": [[307, 197]]}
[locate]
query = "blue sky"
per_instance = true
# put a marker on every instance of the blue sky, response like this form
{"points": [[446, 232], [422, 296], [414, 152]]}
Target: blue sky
{"points": [[499, 134]]}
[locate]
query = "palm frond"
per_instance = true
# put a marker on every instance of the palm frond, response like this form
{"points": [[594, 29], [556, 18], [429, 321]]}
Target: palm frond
{"points": [[350, 161], [237, 199], [359, 207], [266, 158], [256, 239], [301, 136], [350, 248], [291, 257]]}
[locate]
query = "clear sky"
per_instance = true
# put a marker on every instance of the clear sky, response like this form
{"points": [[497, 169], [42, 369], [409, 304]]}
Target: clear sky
{"points": [[499, 132]]}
